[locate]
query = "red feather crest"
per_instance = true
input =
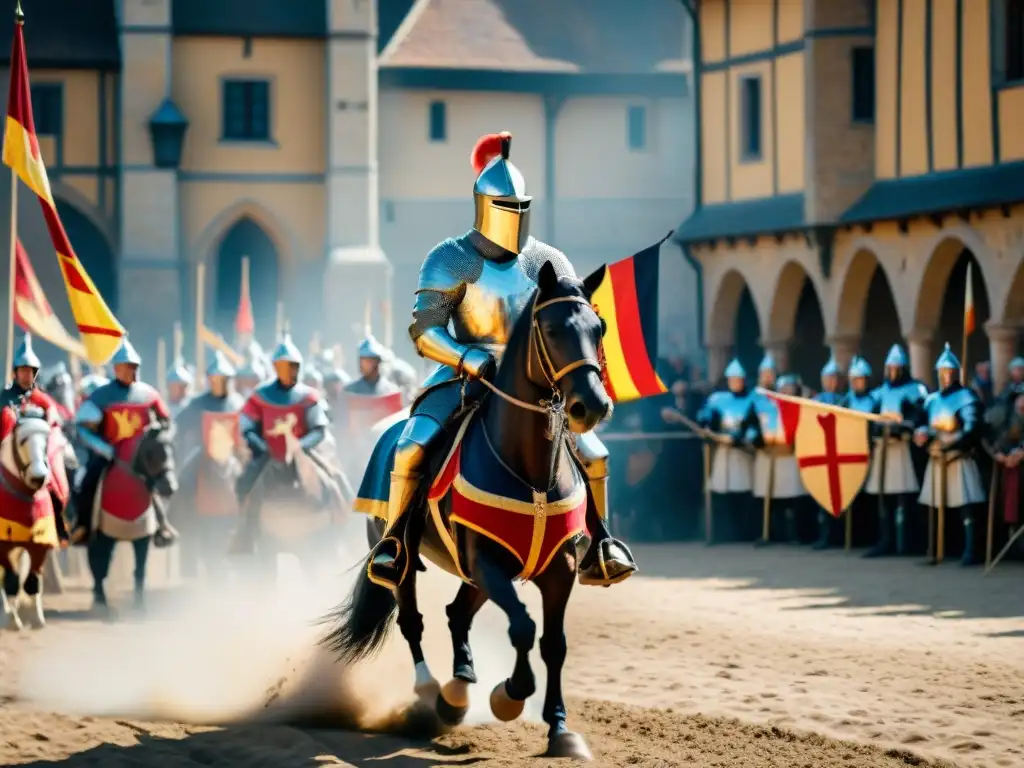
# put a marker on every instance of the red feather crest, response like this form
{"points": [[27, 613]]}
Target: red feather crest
{"points": [[486, 149]]}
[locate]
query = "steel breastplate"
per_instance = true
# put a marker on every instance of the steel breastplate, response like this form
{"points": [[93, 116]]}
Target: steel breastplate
{"points": [[732, 410], [943, 409], [863, 403], [492, 304]]}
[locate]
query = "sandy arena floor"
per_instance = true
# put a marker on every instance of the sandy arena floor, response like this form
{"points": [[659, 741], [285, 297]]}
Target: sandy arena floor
{"points": [[715, 657]]}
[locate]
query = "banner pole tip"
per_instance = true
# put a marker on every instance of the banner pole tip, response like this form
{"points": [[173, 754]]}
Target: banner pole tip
{"points": [[19, 15]]}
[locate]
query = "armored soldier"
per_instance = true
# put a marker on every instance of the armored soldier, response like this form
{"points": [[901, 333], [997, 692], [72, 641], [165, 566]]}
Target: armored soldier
{"points": [[179, 386], [372, 393], [109, 423], [950, 428], [829, 395], [729, 415], [207, 436], [61, 387], [23, 389], [478, 284], [892, 473], [273, 410]]}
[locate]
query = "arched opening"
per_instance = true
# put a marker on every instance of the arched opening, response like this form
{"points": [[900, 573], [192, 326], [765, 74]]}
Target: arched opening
{"points": [[951, 316], [747, 345], [796, 316], [734, 321], [244, 239], [865, 288], [1013, 316], [93, 251]]}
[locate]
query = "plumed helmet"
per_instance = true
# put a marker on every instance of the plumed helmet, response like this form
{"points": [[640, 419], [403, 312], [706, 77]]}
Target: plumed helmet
{"points": [[897, 356], [220, 366], [502, 205], [126, 354], [25, 356], [735, 370], [859, 368], [286, 351], [947, 360]]}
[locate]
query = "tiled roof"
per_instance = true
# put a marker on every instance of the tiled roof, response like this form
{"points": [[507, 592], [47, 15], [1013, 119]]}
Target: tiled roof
{"points": [[744, 218], [65, 34], [549, 36]]}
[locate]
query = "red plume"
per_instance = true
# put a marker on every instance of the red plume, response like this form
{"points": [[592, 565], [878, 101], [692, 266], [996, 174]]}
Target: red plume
{"points": [[487, 148]]}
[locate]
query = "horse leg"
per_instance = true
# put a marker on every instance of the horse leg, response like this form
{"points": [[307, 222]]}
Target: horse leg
{"points": [[11, 587], [555, 586], [100, 552], [37, 556], [509, 697], [141, 550], [453, 700], [410, 622]]}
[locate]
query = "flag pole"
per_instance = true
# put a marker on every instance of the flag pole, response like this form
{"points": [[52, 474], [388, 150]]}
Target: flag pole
{"points": [[200, 319], [968, 324], [242, 339], [12, 274], [161, 366]]}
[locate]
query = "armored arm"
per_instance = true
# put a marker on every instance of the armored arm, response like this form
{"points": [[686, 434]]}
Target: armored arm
{"points": [[972, 427], [317, 423], [89, 421], [250, 424]]}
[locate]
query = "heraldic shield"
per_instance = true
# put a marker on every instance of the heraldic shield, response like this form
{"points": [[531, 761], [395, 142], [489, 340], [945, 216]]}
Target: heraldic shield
{"points": [[833, 454], [366, 410], [220, 436]]}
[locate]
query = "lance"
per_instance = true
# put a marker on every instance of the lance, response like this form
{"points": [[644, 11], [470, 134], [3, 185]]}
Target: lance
{"points": [[940, 534], [766, 524], [161, 366], [931, 510], [1002, 553], [992, 492]]}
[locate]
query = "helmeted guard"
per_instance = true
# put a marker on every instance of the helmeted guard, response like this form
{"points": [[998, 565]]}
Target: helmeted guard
{"points": [[1015, 386], [892, 474], [950, 427], [729, 414], [284, 405], [61, 387], [776, 474], [373, 396], [860, 397], [478, 284], [830, 376], [180, 382], [23, 390], [110, 422]]}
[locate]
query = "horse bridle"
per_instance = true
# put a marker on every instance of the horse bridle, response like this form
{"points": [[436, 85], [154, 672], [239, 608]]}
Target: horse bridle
{"points": [[553, 376], [18, 464]]}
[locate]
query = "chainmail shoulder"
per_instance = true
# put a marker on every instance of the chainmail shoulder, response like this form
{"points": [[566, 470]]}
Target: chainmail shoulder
{"points": [[448, 268], [536, 252]]}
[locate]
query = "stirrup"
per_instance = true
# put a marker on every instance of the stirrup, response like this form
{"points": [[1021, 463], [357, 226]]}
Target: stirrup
{"points": [[372, 564], [597, 573]]}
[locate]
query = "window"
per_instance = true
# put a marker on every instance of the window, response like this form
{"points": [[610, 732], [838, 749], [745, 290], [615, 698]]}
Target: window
{"points": [[636, 128], [863, 64], [750, 118], [246, 110], [48, 108], [1013, 53], [438, 121]]}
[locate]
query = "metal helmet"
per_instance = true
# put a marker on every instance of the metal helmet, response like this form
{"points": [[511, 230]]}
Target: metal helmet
{"points": [[371, 349], [25, 356], [91, 383], [126, 354], [947, 360], [735, 370], [220, 366], [859, 368], [286, 351], [767, 363], [1017, 362], [502, 205], [790, 380], [313, 378], [831, 368], [897, 356], [180, 374]]}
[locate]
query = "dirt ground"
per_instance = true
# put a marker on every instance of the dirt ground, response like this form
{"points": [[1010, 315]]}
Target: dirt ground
{"points": [[714, 657]]}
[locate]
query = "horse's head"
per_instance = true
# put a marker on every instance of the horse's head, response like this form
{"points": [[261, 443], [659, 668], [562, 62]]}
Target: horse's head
{"points": [[30, 442], [565, 337], [154, 458]]}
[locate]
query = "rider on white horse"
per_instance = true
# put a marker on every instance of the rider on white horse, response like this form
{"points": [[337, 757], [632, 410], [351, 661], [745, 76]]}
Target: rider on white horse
{"points": [[23, 389]]}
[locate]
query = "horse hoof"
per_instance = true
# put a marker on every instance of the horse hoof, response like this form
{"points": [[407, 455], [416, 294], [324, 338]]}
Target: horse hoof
{"points": [[11, 621], [37, 619], [503, 706], [569, 745], [453, 702]]}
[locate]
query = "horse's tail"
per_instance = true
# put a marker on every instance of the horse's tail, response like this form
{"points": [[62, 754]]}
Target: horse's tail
{"points": [[361, 624]]}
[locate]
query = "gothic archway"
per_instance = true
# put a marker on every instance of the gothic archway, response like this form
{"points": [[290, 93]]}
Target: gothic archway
{"points": [[246, 238], [733, 321], [93, 250], [796, 317], [867, 310]]}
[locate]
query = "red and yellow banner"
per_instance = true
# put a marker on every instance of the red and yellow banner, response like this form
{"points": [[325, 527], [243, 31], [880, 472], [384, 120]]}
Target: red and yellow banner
{"points": [[32, 312], [627, 300], [101, 332]]}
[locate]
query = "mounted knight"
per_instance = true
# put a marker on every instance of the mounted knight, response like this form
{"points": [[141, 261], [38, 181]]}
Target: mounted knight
{"points": [[23, 389], [478, 284]]}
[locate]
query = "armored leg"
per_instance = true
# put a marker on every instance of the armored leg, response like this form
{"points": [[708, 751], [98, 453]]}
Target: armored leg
{"points": [[84, 498], [883, 544], [389, 561], [967, 517], [608, 561]]}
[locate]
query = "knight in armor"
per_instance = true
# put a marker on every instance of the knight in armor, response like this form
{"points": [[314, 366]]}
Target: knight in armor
{"points": [[283, 404], [831, 375], [23, 389], [478, 284], [195, 445], [950, 427], [892, 474], [777, 482], [179, 386], [372, 380], [99, 433], [728, 415], [61, 387]]}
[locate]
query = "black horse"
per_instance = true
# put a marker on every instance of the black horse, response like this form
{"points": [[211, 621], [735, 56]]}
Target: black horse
{"points": [[549, 379]]}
